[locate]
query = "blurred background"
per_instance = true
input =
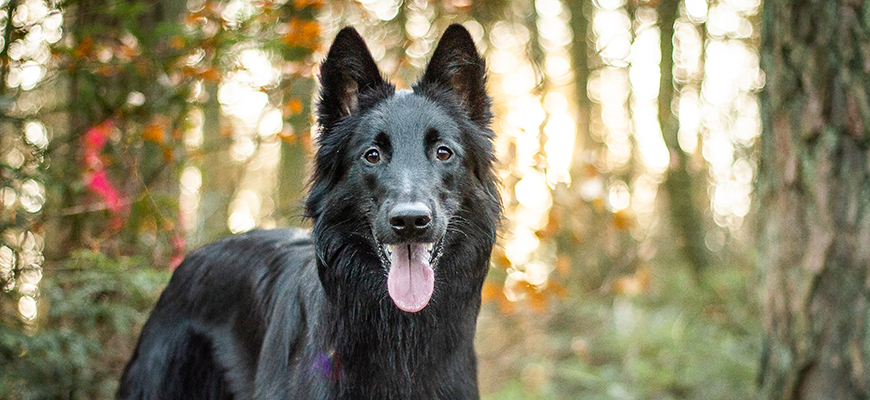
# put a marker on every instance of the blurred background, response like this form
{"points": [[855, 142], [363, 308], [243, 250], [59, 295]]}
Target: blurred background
{"points": [[134, 131]]}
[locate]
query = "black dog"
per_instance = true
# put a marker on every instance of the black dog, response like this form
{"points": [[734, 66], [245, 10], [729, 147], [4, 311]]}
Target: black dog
{"points": [[380, 300]]}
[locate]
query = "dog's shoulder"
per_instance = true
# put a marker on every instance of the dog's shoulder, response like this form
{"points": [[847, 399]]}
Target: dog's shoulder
{"points": [[243, 262]]}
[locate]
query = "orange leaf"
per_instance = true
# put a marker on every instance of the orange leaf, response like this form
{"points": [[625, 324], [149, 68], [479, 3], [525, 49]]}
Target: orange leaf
{"points": [[210, 74], [84, 48], [563, 265], [302, 33], [491, 291], [623, 219], [287, 136], [538, 301], [598, 204], [154, 132], [298, 4], [295, 106], [634, 284], [177, 42], [105, 70]]}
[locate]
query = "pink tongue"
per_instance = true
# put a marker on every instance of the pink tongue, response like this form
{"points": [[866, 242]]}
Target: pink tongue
{"points": [[411, 279]]}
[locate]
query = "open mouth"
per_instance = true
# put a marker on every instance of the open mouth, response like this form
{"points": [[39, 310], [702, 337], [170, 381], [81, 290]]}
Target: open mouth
{"points": [[411, 279]]}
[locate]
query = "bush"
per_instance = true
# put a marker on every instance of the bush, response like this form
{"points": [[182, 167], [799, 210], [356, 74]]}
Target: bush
{"points": [[91, 308]]}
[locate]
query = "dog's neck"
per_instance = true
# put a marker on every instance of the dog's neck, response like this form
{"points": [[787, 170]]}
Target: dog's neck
{"points": [[380, 343], [405, 353]]}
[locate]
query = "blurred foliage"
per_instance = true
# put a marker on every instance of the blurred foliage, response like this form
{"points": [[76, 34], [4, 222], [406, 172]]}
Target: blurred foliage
{"points": [[91, 309], [137, 73], [663, 337], [102, 105], [95, 139]]}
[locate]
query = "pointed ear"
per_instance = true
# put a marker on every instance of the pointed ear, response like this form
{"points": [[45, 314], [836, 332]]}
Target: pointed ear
{"points": [[457, 67], [347, 72]]}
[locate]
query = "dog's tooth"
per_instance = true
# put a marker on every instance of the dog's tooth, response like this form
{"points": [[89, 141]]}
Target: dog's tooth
{"points": [[391, 248], [430, 246]]}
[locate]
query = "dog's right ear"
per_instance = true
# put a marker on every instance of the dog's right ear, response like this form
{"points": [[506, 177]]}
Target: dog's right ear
{"points": [[348, 71], [457, 66]]}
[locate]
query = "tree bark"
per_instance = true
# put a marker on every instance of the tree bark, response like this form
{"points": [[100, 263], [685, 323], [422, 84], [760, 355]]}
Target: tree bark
{"points": [[814, 200]]}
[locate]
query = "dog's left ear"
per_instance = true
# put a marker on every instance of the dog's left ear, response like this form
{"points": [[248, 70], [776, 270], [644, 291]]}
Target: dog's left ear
{"points": [[457, 66]]}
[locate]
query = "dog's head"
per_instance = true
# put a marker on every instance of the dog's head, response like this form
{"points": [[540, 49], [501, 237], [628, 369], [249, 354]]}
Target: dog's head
{"points": [[399, 174]]}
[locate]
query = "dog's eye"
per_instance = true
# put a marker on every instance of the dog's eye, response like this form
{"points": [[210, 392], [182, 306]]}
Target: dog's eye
{"points": [[443, 153], [373, 156]]}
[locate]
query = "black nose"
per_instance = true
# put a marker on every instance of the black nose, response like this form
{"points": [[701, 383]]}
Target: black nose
{"points": [[410, 218]]}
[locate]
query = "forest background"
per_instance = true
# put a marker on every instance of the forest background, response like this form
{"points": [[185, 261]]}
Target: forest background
{"points": [[685, 181]]}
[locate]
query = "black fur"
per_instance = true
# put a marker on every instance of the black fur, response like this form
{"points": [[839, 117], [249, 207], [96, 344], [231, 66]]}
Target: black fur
{"points": [[287, 314]]}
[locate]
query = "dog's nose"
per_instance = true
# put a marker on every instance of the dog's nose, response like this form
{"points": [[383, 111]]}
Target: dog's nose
{"points": [[410, 218]]}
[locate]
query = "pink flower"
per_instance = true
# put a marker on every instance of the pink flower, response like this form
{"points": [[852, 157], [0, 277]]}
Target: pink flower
{"points": [[96, 137], [95, 178], [93, 142], [99, 183]]}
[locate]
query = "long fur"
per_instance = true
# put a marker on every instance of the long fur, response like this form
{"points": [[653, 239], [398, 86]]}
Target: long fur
{"points": [[293, 314]]}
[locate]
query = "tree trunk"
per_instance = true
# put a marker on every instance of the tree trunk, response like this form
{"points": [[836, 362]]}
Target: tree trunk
{"points": [[814, 200], [686, 218]]}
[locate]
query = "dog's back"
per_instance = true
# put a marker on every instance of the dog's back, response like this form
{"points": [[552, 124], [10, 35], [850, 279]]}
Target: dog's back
{"points": [[204, 337]]}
